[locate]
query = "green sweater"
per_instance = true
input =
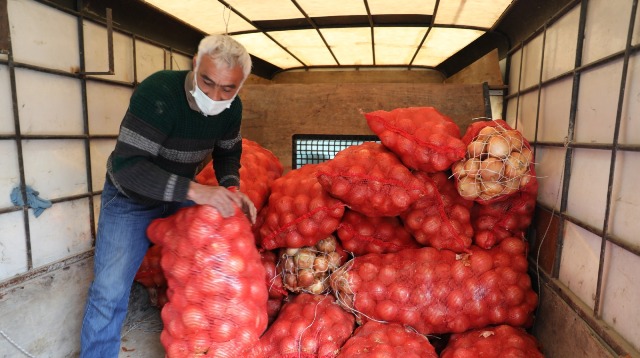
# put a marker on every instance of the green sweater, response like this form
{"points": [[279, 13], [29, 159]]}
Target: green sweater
{"points": [[162, 142]]}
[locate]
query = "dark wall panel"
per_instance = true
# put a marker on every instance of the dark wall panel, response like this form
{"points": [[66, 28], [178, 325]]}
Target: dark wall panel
{"points": [[273, 113]]}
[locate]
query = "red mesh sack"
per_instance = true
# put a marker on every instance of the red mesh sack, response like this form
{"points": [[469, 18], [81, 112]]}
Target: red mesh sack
{"points": [[299, 212], [361, 234], [439, 291], [500, 341], [275, 287], [370, 180], [497, 164], [496, 221], [422, 137], [217, 293], [441, 218], [151, 277], [259, 167], [257, 225], [375, 339], [308, 326]]}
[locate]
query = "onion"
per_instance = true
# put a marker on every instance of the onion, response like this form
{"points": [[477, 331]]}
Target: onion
{"points": [[498, 147], [511, 185], [327, 244], [515, 165], [458, 169], [525, 180], [289, 264], [304, 258], [335, 260], [486, 132], [476, 148], [472, 166], [321, 264], [491, 169], [317, 287], [290, 281], [468, 188], [527, 153], [515, 139], [491, 188], [305, 277]]}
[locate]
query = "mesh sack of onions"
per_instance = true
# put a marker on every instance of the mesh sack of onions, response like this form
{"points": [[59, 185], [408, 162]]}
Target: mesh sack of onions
{"points": [[260, 217], [441, 218], [259, 167], [497, 164], [499, 341], [308, 326], [361, 234], [438, 291], [275, 287], [151, 277], [217, 293], [370, 179], [299, 212], [307, 269], [382, 340], [422, 137], [496, 221]]}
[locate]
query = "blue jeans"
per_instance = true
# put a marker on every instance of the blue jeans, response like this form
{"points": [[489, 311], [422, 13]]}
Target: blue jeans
{"points": [[121, 243]]}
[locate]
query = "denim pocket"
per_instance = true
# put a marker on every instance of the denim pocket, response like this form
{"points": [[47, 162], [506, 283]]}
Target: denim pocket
{"points": [[109, 194]]}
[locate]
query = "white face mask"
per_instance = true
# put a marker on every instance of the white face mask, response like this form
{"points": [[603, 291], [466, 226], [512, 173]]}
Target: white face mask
{"points": [[207, 105]]}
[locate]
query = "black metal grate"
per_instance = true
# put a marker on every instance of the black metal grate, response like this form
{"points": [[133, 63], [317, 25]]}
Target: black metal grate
{"points": [[318, 148]]}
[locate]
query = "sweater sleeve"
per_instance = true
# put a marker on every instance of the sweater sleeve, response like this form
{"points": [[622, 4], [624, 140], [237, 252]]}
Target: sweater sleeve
{"points": [[132, 165]]}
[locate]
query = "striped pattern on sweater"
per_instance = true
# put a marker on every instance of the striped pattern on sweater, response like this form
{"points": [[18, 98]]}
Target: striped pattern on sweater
{"points": [[162, 142]]}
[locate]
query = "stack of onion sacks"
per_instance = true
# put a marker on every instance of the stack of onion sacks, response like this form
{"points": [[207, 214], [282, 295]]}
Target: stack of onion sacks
{"points": [[438, 291], [259, 167], [423, 138], [299, 211], [370, 179], [441, 218], [498, 162], [307, 269], [361, 234]]}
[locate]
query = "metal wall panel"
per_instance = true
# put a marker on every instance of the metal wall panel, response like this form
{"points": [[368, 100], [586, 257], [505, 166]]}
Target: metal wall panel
{"points": [[63, 232], [579, 266], [597, 101], [149, 59], [106, 106], [43, 36], [6, 104], [606, 28], [97, 54], [14, 250], [49, 104], [56, 168]]}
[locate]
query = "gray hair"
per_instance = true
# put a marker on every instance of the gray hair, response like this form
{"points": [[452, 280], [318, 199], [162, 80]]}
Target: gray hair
{"points": [[225, 50]]}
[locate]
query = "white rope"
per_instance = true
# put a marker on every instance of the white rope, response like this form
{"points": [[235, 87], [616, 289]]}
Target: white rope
{"points": [[13, 343]]}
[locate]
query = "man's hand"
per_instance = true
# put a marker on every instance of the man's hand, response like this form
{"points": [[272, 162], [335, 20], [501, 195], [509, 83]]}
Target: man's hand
{"points": [[247, 207], [222, 199], [217, 196]]}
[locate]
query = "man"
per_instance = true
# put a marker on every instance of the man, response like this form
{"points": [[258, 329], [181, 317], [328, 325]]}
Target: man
{"points": [[174, 121]]}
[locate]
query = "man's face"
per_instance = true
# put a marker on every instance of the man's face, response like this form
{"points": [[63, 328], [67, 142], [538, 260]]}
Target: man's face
{"points": [[218, 82]]}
